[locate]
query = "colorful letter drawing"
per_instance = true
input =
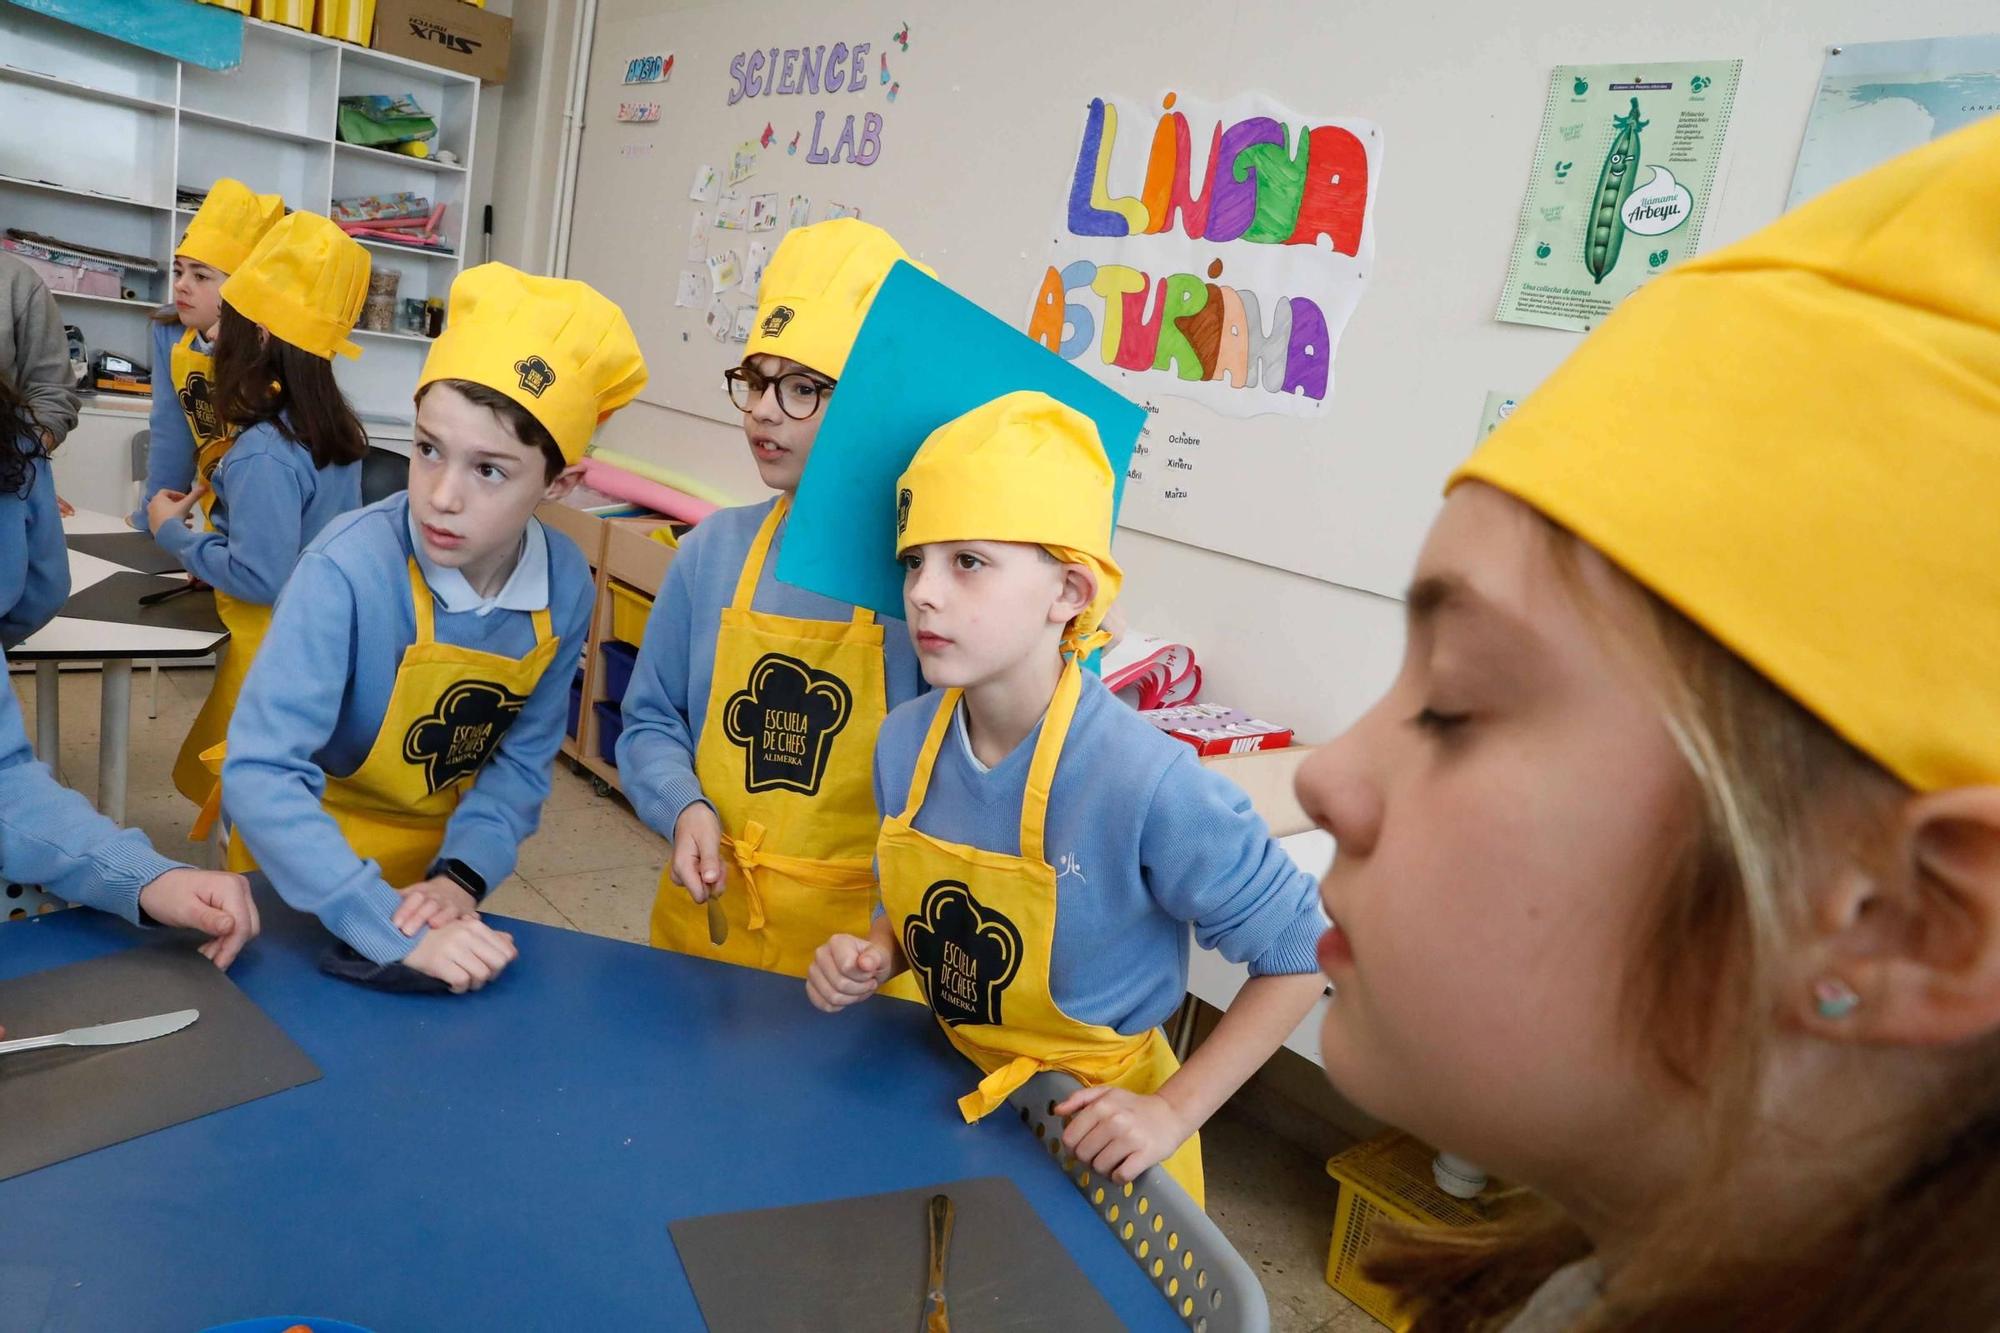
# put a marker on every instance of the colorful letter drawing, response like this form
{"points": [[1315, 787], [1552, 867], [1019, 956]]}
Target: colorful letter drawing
{"points": [[1283, 204]]}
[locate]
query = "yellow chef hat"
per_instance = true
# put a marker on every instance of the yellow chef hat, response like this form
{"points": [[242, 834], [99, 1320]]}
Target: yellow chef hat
{"points": [[1021, 468], [305, 281], [1796, 441], [817, 289], [556, 346], [229, 224]]}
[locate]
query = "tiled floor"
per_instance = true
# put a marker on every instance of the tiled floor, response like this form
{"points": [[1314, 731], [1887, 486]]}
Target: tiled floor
{"points": [[593, 867]]}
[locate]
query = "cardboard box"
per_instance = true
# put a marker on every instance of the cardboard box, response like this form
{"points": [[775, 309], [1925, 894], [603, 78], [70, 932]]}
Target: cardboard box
{"points": [[447, 33], [1215, 729]]}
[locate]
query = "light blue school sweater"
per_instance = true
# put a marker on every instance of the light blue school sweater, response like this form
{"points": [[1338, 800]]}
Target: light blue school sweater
{"points": [[668, 698], [317, 696], [269, 502], [50, 835], [1146, 842], [170, 447], [34, 562]]}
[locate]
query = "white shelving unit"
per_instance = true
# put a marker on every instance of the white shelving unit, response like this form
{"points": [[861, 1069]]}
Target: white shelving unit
{"points": [[117, 130]]}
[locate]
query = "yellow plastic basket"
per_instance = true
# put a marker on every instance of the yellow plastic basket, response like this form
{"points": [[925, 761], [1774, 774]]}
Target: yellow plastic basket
{"points": [[629, 609], [1388, 1180], [237, 6], [349, 20], [291, 13]]}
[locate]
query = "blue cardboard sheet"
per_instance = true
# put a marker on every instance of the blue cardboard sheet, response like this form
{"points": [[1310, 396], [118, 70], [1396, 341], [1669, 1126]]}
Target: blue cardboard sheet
{"points": [[199, 34], [924, 356]]}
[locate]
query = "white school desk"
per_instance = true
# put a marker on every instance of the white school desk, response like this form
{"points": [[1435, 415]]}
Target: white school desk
{"points": [[114, 646]]}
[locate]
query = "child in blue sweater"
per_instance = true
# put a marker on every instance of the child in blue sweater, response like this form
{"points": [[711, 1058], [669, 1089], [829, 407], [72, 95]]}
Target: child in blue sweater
{"points": [[781, 818], [295, 462], [185, 437], [393, 744], [1046, 849]]}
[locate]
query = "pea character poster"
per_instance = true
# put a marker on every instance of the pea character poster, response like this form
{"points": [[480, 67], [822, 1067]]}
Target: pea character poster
{"points": [[1625, 165]]}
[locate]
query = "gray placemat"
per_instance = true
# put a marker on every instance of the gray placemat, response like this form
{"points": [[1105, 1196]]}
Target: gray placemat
{"points": [[133, 550], [116, 599], [860, 1264], [64, 1101]]}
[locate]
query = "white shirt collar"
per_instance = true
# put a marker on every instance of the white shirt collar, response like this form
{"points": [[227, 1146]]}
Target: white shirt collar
{"points": [[526, 589], [958, 729]]}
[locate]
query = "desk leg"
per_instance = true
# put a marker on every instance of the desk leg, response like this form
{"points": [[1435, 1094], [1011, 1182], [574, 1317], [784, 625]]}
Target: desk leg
{"points": [[114, 739], [48, 712]]}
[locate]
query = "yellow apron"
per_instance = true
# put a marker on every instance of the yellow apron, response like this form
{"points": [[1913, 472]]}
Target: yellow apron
{"points": [[447, 712], [192, 377], [978, 928], [785, 756]]}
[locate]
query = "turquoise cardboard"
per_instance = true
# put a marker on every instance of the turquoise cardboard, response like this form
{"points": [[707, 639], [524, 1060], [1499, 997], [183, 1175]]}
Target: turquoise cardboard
{"points": [[199, 34], [924, 356]]}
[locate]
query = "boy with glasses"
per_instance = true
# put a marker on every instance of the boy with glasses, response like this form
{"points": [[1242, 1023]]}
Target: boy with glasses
{"points": [[750, 721]]}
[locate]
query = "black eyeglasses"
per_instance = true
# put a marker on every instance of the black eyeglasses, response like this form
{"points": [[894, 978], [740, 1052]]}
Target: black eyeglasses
{"points": [[799, 395]]}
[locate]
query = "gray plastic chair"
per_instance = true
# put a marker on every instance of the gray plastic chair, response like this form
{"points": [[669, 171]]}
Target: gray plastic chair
{"points": [[1181, 1251]]}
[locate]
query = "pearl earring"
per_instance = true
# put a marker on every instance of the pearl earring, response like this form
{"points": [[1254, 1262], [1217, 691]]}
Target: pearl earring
{"points": [[1834, 998]]}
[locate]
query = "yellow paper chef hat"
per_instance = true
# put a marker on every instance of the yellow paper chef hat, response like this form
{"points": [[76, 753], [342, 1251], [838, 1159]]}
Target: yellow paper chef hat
{"points": [[1021, 468], [229, 224], [305, 281], [817, 289], [1796, 441], [556, 346]]}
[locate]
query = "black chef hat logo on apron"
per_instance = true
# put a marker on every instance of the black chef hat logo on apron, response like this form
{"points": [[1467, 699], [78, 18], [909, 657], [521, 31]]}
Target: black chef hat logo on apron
{"points": [[785, 719], [198, 401], [903, 511], [536, 374], [964, 954], [462, 733]]}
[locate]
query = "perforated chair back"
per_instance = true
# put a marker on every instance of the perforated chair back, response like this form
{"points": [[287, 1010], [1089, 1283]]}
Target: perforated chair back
{"points": [[1181, 1251]]}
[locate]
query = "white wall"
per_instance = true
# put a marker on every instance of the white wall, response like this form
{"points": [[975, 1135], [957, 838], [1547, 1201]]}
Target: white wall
{"points": [[1458, 88]]}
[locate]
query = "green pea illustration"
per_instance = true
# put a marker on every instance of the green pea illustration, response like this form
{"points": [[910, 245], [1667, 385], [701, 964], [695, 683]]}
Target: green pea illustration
{"points": [[1606, 230]]}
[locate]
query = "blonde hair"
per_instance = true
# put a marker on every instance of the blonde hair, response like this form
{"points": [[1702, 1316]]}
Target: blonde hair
{"points": [[1776, 800]]}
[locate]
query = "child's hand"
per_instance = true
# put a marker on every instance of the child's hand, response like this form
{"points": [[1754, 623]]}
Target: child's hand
{"points": [[172, 507], [1121, 1133], [464, 954], [698, 851], [432, 903], [845, 970], [213, 902]]}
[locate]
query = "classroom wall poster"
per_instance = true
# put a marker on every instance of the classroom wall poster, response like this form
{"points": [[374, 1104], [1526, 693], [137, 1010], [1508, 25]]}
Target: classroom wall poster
{"points": [[1625, 164], [1223, 275], [1879, 99]]}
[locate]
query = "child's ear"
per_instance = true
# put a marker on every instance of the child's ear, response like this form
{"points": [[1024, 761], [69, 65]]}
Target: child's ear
{"points": [[1910, 954], [565, 482], [1079, 590]]}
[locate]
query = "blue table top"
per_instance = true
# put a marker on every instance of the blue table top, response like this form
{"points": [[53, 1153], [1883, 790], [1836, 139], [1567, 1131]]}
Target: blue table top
{"points": [[503, 1160]]}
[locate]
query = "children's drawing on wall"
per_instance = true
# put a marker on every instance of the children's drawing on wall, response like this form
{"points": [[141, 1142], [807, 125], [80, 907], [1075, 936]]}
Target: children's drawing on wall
{"points": [[707, 184], [649, 69], [1225, 275], [692, 293]]}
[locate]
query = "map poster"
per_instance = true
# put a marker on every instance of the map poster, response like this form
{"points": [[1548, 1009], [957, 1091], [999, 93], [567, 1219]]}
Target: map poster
{"points": [[1878, 99], [1624, 167]]}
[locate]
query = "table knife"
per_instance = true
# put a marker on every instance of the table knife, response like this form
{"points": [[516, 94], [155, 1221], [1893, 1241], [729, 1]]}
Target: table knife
{"points": [[936, 1318], [718, 921], [108, 1034]]}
